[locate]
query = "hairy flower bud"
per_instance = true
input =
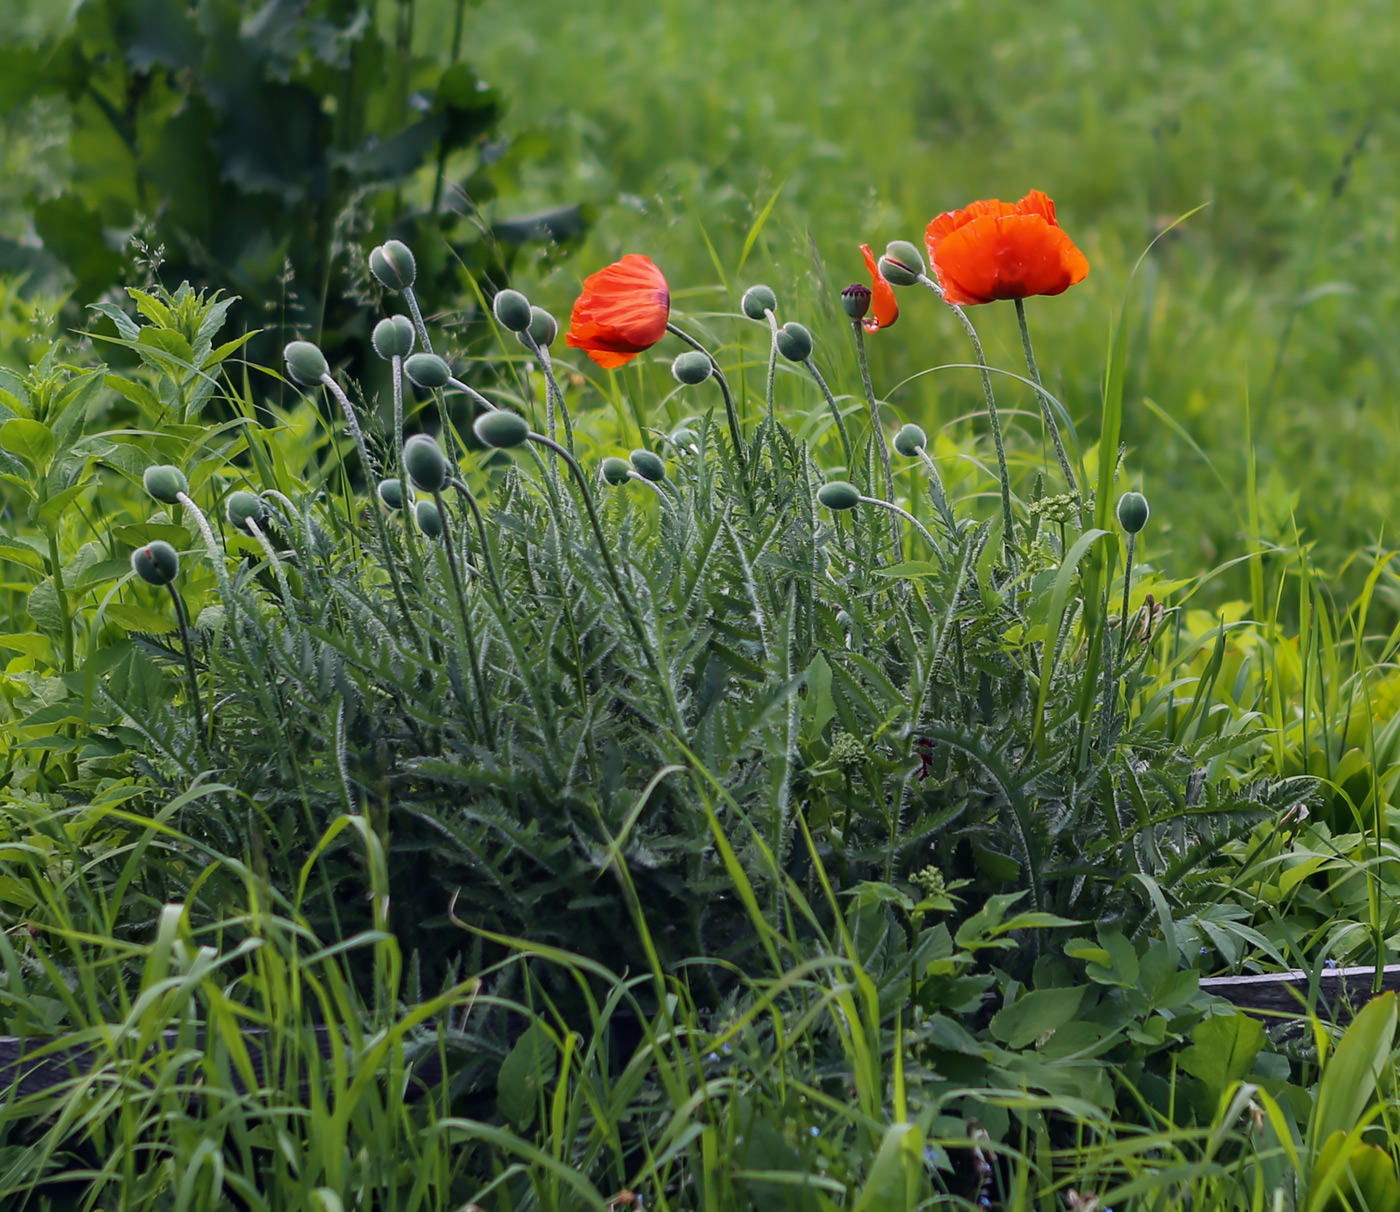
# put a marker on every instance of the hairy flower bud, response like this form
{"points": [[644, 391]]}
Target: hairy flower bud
{"points": [[390, 492], [906, 258], [512, 310], [305, 363], [910, 440], [757, 300], [157, 563], [692, 367], [839, 494], [427, 370], [685, 439], [244, 507], [394, 337], [649, 465], [393, 264], [794, 342], [616, 471], [165, 483], [543, 327], [1132, 512], [502, 428], [429, 520], [855, 300], [425, 463]]}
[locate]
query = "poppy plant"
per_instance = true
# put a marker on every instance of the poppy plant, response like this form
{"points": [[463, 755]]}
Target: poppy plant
{"points": [[885, 311], [622, 311], [1000, 250]]}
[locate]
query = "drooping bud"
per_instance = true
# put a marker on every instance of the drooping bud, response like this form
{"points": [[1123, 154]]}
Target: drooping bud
{"points": [[429, 520], [1132, 512], [157, 563], [616, 471], [910, 440], [692, 367], [502, 428], [543, 327], [427, 370], [425, 463], [649, 465], [757, 300], [794, 342], [390, 492], [855, 300], [685, 439], [512, 310], [394, 337], [393, 264], [244, 507], [165, 483], [905, 260], [305, 363], [839, 494]]}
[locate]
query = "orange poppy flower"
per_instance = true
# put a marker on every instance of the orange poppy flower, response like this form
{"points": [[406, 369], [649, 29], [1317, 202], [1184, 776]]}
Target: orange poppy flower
{"points": [[623, 310], [885, 309], [994, 250]]}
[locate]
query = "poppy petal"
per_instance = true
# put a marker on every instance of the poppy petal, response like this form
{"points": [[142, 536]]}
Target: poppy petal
{"points": [[622, 311], [883, 305], [1038, 203]]}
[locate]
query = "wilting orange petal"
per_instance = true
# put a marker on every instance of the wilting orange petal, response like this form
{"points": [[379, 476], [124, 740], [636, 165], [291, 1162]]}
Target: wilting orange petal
{"points": [[883, 306]]}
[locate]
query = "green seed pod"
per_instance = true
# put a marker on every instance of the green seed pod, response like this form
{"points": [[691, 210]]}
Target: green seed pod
{"points": [[157, 563], [242, 508], [390, 492], [393, 264], [427, 370], [616, 471], [429, 520], [839, 494], [794, 342], [425, 463], [543, 327], [512, 310], [305, 363], [501, 428], [910, 440], [1132, 512], [165, 483], [692, 367], [649, 465], [757, 300], [394, 337], [906, 256], [685, 439], [855, 300]]}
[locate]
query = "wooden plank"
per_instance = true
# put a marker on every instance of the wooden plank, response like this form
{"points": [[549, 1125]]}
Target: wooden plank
{"points": [[1340, 991]]}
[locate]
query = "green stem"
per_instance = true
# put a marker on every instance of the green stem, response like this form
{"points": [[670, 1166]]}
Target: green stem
{"points": [[938, 493], [468, 637], [182, 620], [1127, 589], [257, 532], [835, 414], [875, 421], [1045, 409], [896, 513], [736, 430], [60, 591]]}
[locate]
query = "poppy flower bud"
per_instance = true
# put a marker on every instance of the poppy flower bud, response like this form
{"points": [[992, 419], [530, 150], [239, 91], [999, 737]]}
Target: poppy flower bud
{"points": [[242, 508], [157, 563], [305, 363], [1132, 512], [691, 367], [616, 471], [391, 493], [427, 370], [910, 440], [425, 463], [855, 301], [684, 439], [794, 342], [649, 465], [393, 264], [839, 494], [501, 428], [394, 337], [906, 260], [512, 310], [757, 300], [543, 327], [165, 483], [429, 520]]}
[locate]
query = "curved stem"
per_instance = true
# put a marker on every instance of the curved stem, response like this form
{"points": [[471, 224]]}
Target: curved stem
{"points": [[183, 621], [471, 393], [772, 365], [875, 420], [412, 300], [937, 492], [257, 532], [1045, 409], [899, 512], [736, 431], [835, 413], [1127, 591], [468, 637]]}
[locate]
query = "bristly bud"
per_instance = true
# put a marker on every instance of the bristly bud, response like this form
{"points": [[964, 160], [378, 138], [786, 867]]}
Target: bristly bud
{"points": [[1132, 512], [855, 300], [501, 428], [305, 363], [394, 337], [543, 327], [794, 342], [244, 507], [427, 370], [616, 471], [512, 310], [839, 494], [685, 439], [393, 264], [429, 520], [165, 483], [425, 463], [757, 300], [649, 465], [390, 492], [910, 440], [692, 367], [157, 563], [905, 260]]}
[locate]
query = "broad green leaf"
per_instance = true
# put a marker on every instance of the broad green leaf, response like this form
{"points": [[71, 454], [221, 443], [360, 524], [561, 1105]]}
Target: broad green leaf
{"points": [[527, 1070], [1222, 1050], [1349, 1077], [31, 440], [43, 607], [1033, 1014], [140, 618]]}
